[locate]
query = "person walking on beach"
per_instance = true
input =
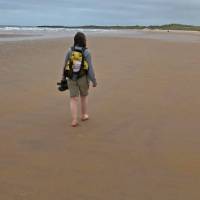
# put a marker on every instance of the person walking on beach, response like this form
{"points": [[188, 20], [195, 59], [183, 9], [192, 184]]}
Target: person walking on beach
{"points": [[79, 70]]}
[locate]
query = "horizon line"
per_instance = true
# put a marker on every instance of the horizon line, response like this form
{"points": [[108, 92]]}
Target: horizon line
{"points": [[92, 25]]}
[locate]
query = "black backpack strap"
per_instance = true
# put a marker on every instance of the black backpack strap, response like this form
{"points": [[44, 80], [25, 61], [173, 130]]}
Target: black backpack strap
{"points": [[83, 57]]}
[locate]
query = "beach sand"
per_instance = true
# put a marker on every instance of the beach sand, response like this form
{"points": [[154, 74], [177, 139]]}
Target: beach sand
{"points": [[142, 139]]}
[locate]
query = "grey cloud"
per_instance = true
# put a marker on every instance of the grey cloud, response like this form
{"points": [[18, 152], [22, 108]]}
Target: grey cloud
{"points": [[81, 12]]}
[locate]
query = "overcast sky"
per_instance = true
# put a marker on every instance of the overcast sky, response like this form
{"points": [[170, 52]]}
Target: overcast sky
{"points": [[99, 12]]}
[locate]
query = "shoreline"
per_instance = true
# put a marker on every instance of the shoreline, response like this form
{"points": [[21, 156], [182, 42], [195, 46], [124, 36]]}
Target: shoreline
{"points": [[172, 35]]}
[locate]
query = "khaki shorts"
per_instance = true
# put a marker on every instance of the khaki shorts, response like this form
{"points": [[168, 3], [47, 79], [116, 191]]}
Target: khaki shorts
{"points": [[79, 86]]}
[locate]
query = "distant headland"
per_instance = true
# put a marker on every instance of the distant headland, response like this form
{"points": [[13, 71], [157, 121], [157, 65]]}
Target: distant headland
{"points": [[151, 27]]}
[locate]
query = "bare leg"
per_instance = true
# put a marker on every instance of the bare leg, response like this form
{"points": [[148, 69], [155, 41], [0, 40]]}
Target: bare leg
{"points": [[74, 110], [84, 105]]}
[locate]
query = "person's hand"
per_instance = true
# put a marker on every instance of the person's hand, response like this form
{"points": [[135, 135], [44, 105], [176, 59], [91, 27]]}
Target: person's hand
{"points": [[94, 84]]}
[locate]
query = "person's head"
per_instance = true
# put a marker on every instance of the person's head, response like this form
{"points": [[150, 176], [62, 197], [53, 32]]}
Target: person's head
{"points": [[80, 39]]}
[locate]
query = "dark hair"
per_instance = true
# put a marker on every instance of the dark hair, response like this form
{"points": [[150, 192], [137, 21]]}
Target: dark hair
{"points": [[80, 39]]}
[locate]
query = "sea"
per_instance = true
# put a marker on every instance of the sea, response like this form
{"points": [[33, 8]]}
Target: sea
{"points": [[18, 33]]}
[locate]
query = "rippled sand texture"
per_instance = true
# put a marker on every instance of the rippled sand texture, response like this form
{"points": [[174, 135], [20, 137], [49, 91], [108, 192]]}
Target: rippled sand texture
{"points": [[142, 141]]}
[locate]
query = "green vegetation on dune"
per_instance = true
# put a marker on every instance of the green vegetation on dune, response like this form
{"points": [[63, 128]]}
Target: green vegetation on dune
{"points": [[176, 27]]}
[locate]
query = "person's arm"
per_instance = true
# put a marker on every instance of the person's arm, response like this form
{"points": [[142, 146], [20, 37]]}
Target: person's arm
{"points": [[65, 63], [91, 73]]}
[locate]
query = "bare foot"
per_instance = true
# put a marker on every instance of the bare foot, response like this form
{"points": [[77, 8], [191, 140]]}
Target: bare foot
{"points": [[85, 117], [74, 123]]}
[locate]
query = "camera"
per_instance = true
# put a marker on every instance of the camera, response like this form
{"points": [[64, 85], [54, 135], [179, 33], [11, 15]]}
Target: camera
{"points": [[62, 85]]}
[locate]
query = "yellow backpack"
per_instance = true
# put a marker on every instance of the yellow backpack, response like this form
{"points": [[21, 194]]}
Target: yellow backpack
{"points": [[76, 63]]}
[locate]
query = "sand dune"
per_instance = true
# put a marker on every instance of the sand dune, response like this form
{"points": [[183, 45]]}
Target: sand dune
{"points": [[142, 141]]}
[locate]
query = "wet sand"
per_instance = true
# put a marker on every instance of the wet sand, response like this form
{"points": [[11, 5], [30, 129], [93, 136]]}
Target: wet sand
{"points": [[142, 141]]}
